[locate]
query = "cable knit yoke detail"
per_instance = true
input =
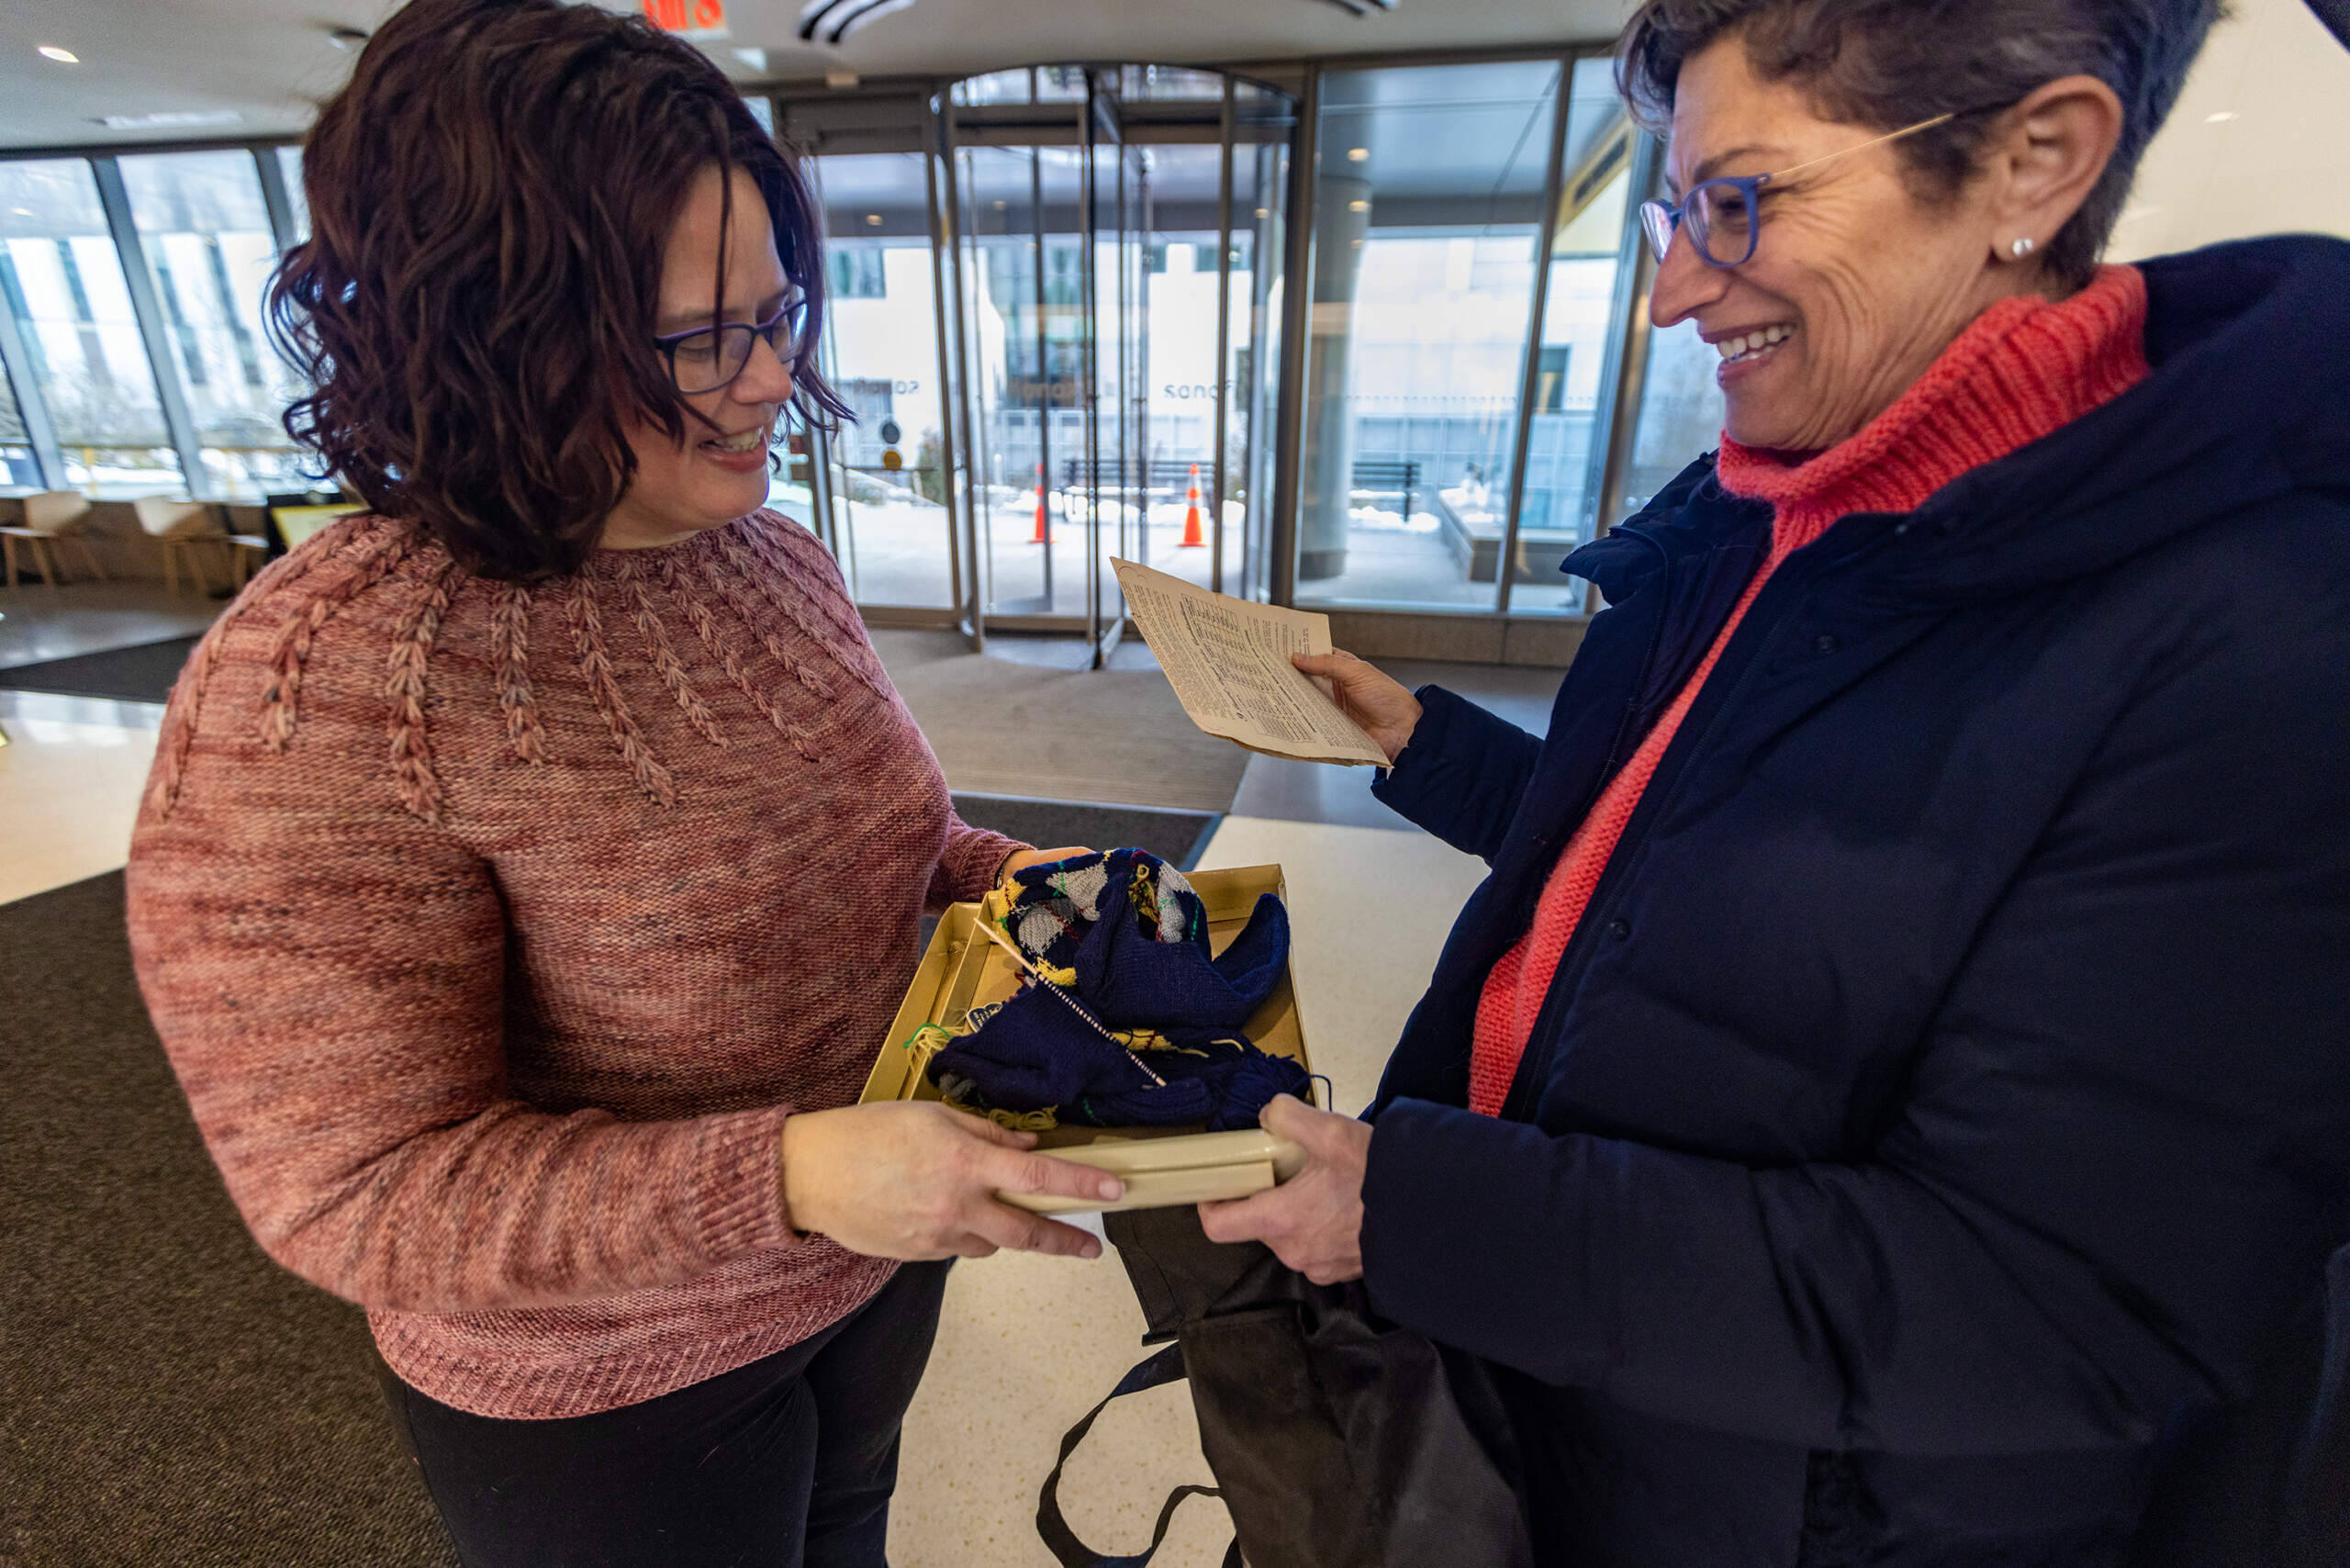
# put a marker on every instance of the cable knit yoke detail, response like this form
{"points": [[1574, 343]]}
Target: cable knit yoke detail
{"points": [[494, 931]]}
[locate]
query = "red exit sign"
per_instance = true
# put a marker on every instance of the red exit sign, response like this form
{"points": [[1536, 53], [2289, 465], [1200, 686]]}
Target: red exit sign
{"points": [[694, 18]]}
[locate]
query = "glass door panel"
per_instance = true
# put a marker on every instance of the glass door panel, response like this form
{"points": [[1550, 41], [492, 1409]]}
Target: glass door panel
{"points": [[1116, 492], [1258, 241], [886, 471], [1178, 403], [1026, 329], [1428, 210], [997, 271]]}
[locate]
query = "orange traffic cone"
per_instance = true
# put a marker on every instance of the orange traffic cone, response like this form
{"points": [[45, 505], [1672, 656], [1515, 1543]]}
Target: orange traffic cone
{"points": [[1044, 534], [1192, 538]]}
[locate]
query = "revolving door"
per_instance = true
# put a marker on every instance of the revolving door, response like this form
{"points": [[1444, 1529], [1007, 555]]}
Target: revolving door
{"points": [[1058, 313]]}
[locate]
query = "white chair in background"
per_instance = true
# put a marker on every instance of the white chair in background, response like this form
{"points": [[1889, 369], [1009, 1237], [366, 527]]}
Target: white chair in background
{"points": [[187, 530], [50, 518]]}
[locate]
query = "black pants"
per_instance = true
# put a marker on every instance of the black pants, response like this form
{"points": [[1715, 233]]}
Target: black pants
{"points": [[786, 1462]]}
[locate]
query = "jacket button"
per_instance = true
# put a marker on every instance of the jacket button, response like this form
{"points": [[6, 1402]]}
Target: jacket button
{"points": [[1826, 642], [1619, 928]]}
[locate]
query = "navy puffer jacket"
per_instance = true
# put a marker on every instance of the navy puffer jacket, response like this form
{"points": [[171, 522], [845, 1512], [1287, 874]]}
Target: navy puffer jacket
{"points": [[1932, 1146]]}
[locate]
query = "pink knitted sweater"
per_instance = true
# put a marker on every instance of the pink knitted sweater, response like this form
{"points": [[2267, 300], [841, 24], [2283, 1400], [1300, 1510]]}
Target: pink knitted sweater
{"points": [[493, 932], [2021, 369]]}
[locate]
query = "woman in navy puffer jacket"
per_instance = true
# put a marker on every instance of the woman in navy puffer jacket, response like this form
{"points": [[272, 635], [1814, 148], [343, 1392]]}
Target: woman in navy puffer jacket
{"points": [[1890, 1102]]}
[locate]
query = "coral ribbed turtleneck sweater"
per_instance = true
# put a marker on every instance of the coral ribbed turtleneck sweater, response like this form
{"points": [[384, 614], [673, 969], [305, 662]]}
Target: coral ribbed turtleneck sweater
{"points": [[2022, 369]]}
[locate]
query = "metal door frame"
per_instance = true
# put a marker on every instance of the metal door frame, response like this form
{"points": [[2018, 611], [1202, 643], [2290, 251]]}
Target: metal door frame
{"points": [[819, 128], [1100, 118]]}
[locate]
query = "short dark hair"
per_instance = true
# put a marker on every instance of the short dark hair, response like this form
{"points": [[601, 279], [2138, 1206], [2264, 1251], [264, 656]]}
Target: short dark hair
{"points": [[490, 200], [1887, 63]]}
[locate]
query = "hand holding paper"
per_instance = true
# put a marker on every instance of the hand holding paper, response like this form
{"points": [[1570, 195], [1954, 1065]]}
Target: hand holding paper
{"points": [[1229, 661], [1384, 708]]}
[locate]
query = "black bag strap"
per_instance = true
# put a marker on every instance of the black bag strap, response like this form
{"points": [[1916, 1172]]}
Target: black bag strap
{"points": [[1163, 1367]]}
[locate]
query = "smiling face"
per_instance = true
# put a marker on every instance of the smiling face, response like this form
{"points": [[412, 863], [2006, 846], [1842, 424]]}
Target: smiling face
{"points": [[1855, 285], [714, 475]]}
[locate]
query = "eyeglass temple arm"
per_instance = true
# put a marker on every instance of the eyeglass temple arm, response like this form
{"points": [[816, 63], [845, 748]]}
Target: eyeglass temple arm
{"points": [[1875, 141]]}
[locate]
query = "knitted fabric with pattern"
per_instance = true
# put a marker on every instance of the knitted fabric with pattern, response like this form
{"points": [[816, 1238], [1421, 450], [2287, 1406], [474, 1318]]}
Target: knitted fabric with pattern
{"points": [[494, 931], [2020, 370]]}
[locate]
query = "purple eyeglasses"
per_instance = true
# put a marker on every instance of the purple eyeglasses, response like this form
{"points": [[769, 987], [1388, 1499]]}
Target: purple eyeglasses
{"points": [[703, 359], [1719, 214]]}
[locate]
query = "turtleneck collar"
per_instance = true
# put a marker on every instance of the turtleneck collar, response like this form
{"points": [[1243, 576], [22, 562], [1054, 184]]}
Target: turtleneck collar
{"points": [[2023, 368]]}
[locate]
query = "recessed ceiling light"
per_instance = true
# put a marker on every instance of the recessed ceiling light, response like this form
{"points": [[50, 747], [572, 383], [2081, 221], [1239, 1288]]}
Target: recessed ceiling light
{"points": [[1358, 154], [874, 218], [22, 212], [2220, 119], [1358, 206], [62, 56]]}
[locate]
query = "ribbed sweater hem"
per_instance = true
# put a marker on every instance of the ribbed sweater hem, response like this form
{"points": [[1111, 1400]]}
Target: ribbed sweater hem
{"points": [[503, 1387]]}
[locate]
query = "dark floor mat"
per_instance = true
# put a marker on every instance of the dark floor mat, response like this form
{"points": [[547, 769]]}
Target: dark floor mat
{"points": [[141, 673], [1180, 837], [167, 1394]]}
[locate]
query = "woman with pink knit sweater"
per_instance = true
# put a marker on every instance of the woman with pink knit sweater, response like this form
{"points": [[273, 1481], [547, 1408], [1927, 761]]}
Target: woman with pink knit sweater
{"points": [[527, 866]]}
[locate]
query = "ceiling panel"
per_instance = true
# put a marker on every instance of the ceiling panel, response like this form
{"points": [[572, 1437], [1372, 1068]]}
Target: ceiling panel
{"points": [[268, 60]]}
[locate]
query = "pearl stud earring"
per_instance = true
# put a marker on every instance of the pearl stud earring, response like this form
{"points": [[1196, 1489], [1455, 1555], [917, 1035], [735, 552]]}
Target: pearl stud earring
{"points": [[2021, 249]]}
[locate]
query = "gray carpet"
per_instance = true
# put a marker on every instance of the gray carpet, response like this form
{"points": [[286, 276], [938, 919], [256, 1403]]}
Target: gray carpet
{"points": [[167, 1394], [1004, 727], [141, 673]]}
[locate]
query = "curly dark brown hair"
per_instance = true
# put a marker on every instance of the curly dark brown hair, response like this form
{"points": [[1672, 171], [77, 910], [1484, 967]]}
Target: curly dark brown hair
{"points": [[490, 198], [1888, 63]]}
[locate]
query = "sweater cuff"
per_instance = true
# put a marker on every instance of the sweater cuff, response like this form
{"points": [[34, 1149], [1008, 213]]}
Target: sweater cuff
{"points": [[737, 1184], [967, 870]]}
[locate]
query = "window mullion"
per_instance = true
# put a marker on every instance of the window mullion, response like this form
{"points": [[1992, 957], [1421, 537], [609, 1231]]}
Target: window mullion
{"points": [[161, 361], [32, 402]]}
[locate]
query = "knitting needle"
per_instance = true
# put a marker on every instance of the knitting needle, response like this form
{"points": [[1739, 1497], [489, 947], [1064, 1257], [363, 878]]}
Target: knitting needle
{"points": [[1008, 946], [1006, 943]]}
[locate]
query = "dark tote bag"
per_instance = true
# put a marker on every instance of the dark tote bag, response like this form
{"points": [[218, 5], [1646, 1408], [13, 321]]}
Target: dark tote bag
{"points": [[1338, 1442]]}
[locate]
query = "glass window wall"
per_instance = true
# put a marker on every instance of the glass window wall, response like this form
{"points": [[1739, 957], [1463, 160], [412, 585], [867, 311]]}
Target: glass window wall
{"points": [[289, 163], [1679, 418], [18, 471], [203, 231], [63, 282], [888, 480], [1591, 274], [1428, 193], [208, 246]]}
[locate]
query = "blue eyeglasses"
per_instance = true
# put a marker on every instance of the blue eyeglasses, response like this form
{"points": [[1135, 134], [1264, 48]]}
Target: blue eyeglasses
{"points": [[703, 359], [1721, 215]]}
